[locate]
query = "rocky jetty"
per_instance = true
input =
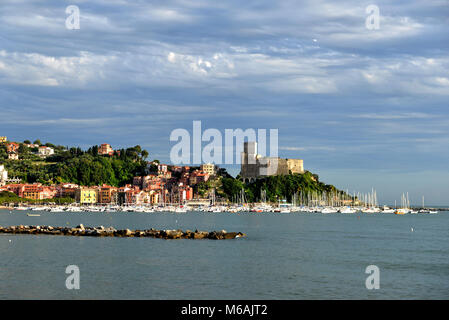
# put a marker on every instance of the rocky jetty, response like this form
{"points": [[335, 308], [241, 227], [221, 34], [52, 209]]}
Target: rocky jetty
{"points": [[111, 232]]}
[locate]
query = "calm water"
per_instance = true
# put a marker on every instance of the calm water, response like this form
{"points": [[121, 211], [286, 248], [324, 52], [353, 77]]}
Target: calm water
{"points": [[285, 256]]}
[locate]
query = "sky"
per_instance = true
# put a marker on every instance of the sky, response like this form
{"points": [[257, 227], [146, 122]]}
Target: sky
{"points": [[365, 108]]}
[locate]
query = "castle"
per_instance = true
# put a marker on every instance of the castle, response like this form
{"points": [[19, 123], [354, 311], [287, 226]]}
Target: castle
{"points": [[255, 166]]}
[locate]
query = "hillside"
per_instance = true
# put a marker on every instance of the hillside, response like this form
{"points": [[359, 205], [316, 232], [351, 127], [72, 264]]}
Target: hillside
{"points": [[76, 166], [88, 168]]}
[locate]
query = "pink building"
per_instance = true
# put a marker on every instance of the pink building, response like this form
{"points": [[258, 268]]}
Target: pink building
{"points": [[105, 150]]}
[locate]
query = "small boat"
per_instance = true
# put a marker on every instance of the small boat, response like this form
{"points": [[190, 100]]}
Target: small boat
{"points": [[348, 210], [426, 210], [387, 210], [401, 211], [33, 215], [329, 210], [182, 209], [283, 207]]}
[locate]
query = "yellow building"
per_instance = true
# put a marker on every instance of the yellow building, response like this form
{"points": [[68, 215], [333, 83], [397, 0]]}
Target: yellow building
{"points": [[208, 168], [86, 195], [154, 197], [295, 165], [3, 139]]}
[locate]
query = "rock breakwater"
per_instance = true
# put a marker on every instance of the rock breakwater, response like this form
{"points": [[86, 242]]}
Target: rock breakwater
{"points": [[101, 231]]}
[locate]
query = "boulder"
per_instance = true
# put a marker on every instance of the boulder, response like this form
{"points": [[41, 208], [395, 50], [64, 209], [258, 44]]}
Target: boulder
{"points": [[152, 233], [229, 235], [173, 234], [200, 234]]}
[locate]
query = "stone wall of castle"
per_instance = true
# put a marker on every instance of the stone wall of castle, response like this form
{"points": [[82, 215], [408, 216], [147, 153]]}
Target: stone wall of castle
{"points": [[255, 166], [269, 166]]}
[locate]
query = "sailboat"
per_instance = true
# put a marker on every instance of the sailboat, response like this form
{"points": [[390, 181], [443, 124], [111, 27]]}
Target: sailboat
{"points": [[387, 210], [405, 206], [424, 209]]}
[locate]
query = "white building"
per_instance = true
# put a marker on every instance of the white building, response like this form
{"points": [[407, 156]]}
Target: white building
{"points": [[3, 175], [44, 151], [13, 155]]}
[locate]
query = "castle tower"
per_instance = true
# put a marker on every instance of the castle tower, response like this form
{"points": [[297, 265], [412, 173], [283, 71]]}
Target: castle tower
{"points": [[249, 168]]}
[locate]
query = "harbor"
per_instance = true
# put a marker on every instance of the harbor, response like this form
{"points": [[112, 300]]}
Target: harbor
{"points": [[283, 256], [281, 207]]}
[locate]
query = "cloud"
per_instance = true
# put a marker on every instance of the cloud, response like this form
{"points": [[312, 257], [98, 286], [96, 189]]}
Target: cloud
{"points": [[41, 70], [305, 149], [138, 69], [394, 116]]}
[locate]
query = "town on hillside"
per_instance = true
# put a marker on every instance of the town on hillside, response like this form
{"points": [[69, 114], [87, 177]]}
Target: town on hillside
{"points": [[161, 183], [38, 173]]}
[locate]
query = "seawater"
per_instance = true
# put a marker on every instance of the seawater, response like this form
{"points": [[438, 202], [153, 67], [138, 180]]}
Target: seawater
{"points": [[284, 256]]}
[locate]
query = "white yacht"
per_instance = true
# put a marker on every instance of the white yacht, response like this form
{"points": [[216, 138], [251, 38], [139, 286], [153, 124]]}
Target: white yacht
{"points": [[329, 210], [387, 210], [348, 210]]}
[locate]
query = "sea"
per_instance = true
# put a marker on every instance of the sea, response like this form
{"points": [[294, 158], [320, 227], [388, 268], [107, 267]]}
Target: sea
{"points": [[288, 256]]}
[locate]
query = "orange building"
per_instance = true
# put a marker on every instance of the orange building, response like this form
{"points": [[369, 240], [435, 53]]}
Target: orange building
{"points": [[38, 192], [106, 194], [12, 147]]}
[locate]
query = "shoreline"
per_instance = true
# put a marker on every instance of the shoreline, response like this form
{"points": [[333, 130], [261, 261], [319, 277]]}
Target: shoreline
{"points": [[232, 208]]}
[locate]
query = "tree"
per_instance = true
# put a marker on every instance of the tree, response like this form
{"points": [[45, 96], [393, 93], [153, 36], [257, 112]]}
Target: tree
{"points": [[144, 154], [38, 142]]}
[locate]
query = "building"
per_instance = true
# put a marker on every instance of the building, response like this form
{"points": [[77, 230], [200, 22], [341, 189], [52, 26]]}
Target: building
{"points": [[197, 176], [185, 193], [38, 192], [132, 195], [12, 147], [3, 175], [105, 150], [44, 151], [86, 195], [13, 155], [181, 169], [31, 145], [14, 188], [67, 190], [208, 168], [162, 169], [3, 139], [106, 194], [155, 197], [254, 166]]}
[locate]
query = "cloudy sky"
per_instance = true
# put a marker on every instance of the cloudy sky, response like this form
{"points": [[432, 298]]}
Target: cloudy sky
{"points": [[363, 107]]}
